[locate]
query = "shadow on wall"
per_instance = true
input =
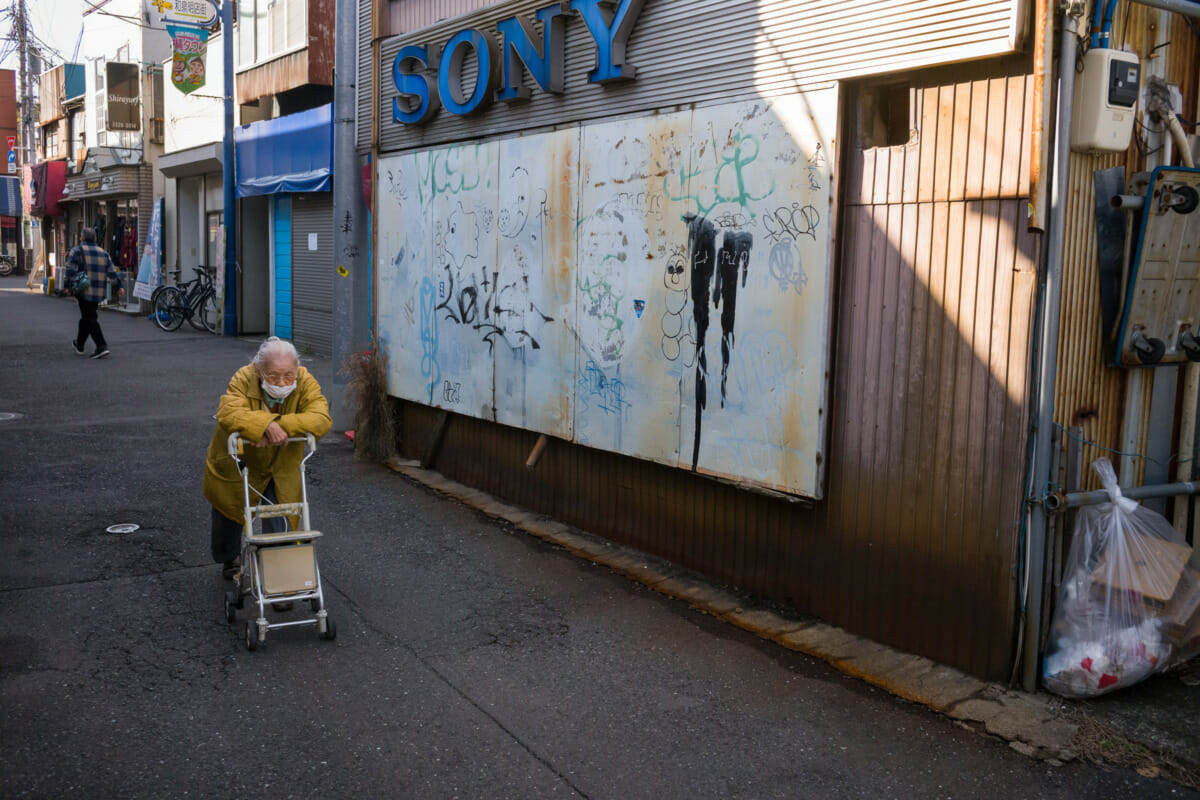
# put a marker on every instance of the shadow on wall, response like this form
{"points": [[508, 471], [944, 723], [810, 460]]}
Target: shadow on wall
{"points": [[916, 542]]}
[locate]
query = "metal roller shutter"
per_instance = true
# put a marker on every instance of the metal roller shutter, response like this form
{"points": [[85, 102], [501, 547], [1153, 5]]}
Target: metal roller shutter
{"points": [[312, 272]]}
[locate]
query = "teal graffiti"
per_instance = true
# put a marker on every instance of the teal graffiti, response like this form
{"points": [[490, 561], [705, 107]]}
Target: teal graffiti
{"points": [[731, 165], [451, 171]]}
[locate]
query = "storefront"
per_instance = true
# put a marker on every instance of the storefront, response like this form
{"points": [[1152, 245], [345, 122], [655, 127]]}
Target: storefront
{"points": [[10, 216], [195, 203], [680, 244], [116, 202], [48, 208], [285, 232]]}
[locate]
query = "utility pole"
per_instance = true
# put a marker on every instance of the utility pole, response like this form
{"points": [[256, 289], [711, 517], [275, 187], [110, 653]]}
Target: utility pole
{"points": [[24, 127], [352, 275]]}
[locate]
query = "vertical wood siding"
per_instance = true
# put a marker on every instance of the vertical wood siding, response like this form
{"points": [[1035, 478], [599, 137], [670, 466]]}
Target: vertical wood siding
{"points": [[915, 544]]}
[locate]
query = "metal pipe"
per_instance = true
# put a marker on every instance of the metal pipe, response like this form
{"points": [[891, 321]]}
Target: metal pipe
{"points": [[1061, 502], [1185, 7], [1043, 432], [1127, 202], [229, 212]]}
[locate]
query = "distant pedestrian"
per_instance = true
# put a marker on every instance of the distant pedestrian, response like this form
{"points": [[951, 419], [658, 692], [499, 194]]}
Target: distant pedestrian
{"points": [[91, 258]]}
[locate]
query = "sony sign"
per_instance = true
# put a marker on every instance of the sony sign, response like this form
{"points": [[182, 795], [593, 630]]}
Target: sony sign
{"points": [[499, 68]]}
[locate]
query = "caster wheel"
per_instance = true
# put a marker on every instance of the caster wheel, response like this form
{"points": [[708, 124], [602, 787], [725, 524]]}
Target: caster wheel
{"points": [[330, 632], [230, 609], [251, 636]]}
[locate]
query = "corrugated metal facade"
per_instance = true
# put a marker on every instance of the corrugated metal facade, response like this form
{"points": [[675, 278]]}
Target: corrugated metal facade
{"points": [[312, 272], [1091, 395], [915, 544], [765, 48], [395, 17]]}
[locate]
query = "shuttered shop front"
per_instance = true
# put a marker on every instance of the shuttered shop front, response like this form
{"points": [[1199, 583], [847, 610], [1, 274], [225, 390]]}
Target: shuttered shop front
{"points": [[312, 272]]}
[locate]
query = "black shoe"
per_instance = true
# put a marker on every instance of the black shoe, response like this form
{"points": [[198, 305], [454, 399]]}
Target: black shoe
{"points": [[103, 353], [75, 346], [230, 569]]}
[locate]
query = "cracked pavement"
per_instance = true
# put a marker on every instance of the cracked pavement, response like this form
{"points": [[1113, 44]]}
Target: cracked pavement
{"points": [[472, 660]]}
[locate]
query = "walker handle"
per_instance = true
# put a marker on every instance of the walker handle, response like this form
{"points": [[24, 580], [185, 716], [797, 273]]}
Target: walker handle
{"points": [[236, 441]]}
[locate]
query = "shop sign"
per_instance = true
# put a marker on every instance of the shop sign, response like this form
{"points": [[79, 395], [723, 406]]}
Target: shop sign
{"points": [[499, 68], [124, 97], [92, 185], [200, 13], [187, 62]]}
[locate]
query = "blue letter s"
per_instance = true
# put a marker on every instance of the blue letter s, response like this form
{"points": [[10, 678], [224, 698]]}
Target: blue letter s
{"points": [[410, 84]]}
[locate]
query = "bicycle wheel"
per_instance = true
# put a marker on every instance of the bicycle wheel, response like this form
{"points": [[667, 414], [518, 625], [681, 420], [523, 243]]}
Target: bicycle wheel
{"points": [[6, 266], [208, 311], [168, 309], [198, 305]]}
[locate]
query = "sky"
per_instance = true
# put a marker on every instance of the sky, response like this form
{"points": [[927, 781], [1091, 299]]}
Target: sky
{"points": [[59, 24], [55, 22]]}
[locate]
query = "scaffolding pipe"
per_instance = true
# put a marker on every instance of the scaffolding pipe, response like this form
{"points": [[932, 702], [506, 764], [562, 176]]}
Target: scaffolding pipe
{"points": [[1186, 7], [1062, 501]]}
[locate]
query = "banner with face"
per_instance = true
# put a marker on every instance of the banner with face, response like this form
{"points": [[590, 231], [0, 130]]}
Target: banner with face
{"points": [[187, 63]]}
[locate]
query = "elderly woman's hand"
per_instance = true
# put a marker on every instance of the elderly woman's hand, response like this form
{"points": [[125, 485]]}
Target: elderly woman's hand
{"points": [[273, 436]]}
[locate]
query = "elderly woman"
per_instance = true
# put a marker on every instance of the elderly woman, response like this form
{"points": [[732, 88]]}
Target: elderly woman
{"points": [[268, 400]]}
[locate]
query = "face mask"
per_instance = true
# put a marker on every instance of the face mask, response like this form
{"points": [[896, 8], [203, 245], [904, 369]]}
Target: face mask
{"points": [[278, 392]]}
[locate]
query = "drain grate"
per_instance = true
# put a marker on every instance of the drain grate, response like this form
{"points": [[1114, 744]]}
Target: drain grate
{"points": [[124, 527]]}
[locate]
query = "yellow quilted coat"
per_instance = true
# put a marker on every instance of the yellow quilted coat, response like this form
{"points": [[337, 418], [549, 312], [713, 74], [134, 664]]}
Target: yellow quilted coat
{"points": [[243, 408]]}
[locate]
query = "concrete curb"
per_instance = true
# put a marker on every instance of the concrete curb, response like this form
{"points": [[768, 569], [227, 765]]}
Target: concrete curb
{"points": [[1029, 723]]}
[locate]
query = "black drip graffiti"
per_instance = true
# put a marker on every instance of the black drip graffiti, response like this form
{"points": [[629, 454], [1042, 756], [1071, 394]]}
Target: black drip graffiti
{"points": [[715, 275]]}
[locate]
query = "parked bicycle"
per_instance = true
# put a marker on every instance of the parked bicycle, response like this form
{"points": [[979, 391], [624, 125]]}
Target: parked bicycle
{"points": [[195, 301]]}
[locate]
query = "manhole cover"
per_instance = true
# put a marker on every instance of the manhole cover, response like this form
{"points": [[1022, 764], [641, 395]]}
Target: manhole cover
{"points": [[124, 527], [5, 416]]}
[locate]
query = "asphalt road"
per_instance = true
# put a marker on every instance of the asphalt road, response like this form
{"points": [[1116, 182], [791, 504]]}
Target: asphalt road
{"points": [[471, 661]]}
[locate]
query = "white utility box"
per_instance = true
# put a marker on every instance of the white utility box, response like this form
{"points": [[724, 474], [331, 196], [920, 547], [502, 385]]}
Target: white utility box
{"points": [[1105, 95]]}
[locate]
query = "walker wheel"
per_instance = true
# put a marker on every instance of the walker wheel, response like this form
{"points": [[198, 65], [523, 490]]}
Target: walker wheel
{"points": [[251, 636], [330, 631], [230, 610]]}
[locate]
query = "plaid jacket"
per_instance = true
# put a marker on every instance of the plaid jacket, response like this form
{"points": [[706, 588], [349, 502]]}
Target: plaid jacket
{"points": [[93, 259]]}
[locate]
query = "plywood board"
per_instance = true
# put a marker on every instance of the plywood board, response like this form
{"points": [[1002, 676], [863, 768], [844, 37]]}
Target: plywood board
{"points": [[657, 287]]}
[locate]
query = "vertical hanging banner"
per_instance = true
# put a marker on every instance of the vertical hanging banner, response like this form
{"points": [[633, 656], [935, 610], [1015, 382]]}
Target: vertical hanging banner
{"points": [[150, 268], [124, 96], [187, 63]]}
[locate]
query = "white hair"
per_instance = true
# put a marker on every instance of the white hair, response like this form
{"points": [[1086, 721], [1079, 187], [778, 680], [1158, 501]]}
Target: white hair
{"points": [[272, 348]]}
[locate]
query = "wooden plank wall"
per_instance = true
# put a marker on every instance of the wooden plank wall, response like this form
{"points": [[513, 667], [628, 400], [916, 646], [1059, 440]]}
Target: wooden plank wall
{"points": [[916, 543], [932, 390]]}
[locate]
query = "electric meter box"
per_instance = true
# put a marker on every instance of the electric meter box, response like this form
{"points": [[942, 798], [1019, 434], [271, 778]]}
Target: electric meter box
{"points": [[1105, 95]]}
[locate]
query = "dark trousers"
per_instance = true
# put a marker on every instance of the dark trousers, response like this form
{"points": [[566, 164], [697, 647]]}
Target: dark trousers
{"points": [[227, 533], [89, 325]]}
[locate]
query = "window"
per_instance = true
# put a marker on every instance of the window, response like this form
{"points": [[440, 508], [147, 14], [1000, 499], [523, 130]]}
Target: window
{"points": [[267, 29], [885, 116]]}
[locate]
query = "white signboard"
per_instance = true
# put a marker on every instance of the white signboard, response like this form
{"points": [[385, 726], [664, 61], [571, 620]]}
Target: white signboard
{"points": [[657, 287], [199, 13]]}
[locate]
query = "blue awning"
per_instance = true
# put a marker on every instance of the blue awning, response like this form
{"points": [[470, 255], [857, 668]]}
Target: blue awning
{"points": [[10, 197], [287, 154]]}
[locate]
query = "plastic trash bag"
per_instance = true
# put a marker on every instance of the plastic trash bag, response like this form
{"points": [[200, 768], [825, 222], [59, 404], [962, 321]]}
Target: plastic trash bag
{"points": [[1129, 600]]}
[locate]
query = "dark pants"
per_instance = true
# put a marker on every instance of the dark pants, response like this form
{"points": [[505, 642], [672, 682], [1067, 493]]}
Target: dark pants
{"points": [[227, 534], [89, 325]]}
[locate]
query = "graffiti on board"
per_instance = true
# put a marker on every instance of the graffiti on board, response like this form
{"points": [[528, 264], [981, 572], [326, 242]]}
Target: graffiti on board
{"points": [[656, 287]]}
